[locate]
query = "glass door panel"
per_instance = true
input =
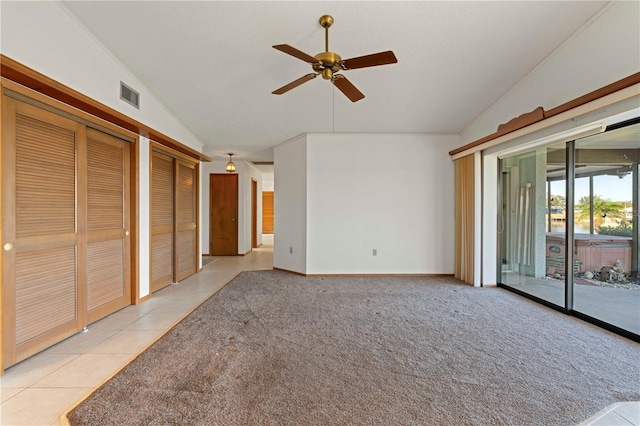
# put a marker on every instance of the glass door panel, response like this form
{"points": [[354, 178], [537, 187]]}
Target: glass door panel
{"points": [[533, 223], [605, 280]]}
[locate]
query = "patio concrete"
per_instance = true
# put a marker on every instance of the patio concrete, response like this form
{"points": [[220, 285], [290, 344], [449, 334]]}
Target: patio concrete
{"points": [[616, 306]]}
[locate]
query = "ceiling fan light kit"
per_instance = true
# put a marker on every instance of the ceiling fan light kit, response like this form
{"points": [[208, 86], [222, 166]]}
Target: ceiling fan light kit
{"points": [[329, 64]]}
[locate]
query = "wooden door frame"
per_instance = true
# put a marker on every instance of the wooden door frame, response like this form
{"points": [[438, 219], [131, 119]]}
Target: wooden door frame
{"points": [[254, 213]]}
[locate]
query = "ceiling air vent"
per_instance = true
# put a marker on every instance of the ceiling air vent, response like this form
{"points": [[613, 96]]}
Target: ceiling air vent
{"points": [[129, 95]]}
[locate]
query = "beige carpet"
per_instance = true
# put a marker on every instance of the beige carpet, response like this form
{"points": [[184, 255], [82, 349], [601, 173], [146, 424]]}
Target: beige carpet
{"points": [[274, 348]]}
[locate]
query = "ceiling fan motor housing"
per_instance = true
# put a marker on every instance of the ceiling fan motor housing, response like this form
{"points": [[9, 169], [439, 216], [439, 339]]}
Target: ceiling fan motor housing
{"points": [[328, 61]]}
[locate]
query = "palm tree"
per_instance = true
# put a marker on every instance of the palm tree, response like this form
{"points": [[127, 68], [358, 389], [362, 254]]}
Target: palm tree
{"points": [[558, 201], [601, 208]]}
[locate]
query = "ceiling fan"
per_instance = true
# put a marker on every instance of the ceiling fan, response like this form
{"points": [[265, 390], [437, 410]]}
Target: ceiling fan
{"points": [[330, 63]]}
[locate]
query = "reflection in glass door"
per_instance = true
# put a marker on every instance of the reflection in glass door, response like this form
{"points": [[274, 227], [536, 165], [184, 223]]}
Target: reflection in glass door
{"points": [[533, 223]]}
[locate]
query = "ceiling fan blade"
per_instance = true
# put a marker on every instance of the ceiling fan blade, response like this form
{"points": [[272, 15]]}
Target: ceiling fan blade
{"points": [[294, 84], [290, 50], [347, 88], [373, 60]]}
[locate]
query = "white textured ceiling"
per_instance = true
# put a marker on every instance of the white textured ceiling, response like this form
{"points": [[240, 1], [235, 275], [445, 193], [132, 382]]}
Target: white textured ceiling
{"points": [[212, 65]]}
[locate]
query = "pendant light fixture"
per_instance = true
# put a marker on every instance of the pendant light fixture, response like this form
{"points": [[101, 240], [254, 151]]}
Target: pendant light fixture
{"points": [[231, 168]]}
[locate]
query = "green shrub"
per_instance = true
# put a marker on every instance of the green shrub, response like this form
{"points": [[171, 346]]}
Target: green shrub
{"points": [[622, 230]]}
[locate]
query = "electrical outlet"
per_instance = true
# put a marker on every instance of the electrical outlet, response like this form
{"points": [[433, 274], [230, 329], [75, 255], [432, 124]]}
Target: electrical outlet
{"points": [[290, 250], [375, 252]]}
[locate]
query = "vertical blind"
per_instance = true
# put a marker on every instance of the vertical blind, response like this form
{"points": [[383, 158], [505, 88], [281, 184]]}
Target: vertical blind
{"points": [[464, 218]]}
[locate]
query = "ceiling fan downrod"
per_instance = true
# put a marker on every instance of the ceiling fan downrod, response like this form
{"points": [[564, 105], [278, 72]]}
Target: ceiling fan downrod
{"points": [[329, 62], [325, 22]]}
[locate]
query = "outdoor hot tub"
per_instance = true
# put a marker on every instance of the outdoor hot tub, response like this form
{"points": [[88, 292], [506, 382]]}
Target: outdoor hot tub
{"points": [[592, 251]]}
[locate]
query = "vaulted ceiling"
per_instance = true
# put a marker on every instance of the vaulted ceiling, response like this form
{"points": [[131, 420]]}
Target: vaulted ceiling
{"points": [[212, 65]]}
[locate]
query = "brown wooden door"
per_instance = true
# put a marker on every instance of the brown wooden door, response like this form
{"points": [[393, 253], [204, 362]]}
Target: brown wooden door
{"points": [[224, 214], [174, 216], [108, 260], [40, 279], [254, 213], [66, 259], [267, 212], [186, 214], [162, 217]]}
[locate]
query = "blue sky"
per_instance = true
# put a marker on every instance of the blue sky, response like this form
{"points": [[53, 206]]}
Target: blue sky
{"points": [[607, 187]]}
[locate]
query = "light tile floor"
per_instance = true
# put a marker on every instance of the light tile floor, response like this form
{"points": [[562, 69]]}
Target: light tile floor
{"points": [[618, 414], [39, 390]]}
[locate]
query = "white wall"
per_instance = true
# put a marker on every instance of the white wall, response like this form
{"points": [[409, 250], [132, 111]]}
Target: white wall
{"points": [[205, 170], [44, 36], [389, 192], [248, 172], [602, 52], [267, 176], [144, 211], [290, 205], [268, 182], [342, 195], [488, 252]]}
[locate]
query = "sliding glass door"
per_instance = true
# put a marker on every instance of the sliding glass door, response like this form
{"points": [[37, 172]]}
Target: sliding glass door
{"points": [[569, 226], [533, 223], [605, 285]]}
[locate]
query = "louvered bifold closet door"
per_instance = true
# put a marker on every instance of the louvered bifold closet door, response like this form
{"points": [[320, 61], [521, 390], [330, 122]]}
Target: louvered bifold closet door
{"points": [[40, 151], [162, 217], [186, 229], [108, 258]]}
